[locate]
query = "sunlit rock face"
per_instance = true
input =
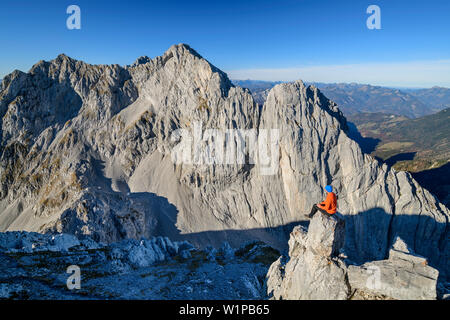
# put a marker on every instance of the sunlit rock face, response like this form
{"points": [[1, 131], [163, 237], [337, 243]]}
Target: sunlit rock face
{"points": [[314, 270], [87, 150]]}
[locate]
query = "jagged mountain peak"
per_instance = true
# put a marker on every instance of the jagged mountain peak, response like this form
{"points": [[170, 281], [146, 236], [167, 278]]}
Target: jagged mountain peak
{"points": [[61, 61], [141, 60], [182, 56], [182, 49], [184, 53], [87, 149], [64, 57], [299, 94], [9, 77]]}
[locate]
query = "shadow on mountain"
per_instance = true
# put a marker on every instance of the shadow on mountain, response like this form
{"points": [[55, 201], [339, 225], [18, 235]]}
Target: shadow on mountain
{"points": [[367, 145], [277, 237], [407, 156], [369, 234], [166, 215], [437, 181]]}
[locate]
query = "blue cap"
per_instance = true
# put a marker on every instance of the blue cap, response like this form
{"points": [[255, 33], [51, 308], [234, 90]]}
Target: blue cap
{"points": [[329, 188]]}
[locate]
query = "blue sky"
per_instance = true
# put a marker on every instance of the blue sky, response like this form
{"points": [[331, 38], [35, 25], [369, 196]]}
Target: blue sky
{"points": [[320, 40]]}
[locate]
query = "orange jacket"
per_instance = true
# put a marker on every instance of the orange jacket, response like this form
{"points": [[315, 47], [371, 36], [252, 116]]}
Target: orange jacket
{"points": [[330, 203]]}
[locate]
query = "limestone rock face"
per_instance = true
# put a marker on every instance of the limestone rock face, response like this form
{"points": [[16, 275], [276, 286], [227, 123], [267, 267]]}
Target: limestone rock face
{"points": [[314, 271], [326, 235], [88, 150]]}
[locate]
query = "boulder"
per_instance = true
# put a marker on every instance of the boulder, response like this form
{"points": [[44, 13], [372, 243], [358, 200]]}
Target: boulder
{"points": [[404, 276], [314, 270]]}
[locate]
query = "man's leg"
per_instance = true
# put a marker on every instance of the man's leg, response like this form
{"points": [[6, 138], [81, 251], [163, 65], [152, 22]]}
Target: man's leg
{"points": [[313, 210], [316, 208]]}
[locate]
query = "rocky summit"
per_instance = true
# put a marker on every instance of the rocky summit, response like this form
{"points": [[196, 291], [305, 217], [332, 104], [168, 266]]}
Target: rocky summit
{"points": [[88, 150], [318, 269]]}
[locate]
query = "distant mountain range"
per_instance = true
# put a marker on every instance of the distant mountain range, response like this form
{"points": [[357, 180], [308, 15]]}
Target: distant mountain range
{"points": [[354, 98], [437, 96]]}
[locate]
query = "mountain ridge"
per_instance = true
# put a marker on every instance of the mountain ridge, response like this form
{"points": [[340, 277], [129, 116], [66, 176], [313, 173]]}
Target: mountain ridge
{"points": [[355, 97], [86, 149]]}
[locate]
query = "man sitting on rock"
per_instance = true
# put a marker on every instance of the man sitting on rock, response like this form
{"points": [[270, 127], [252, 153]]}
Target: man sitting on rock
{"points": [[328, 206]]}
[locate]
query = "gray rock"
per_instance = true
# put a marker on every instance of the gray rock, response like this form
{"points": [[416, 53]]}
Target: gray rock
{"points": [[141, 256], [185, 254], [211, 253], [313, 272], [274, 280], [9, 291], [87, 150], [226, 251], [128, 269], [403, 276], [63, 242], [326, 235]]}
